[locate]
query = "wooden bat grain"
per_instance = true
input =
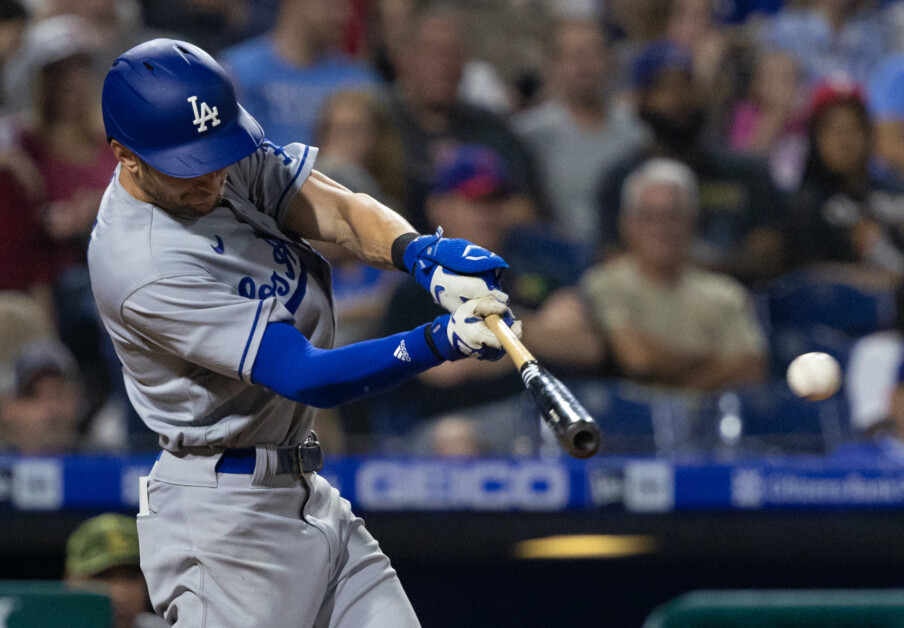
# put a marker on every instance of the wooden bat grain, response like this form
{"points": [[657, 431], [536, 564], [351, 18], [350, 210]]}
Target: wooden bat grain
{"points": [[510, 342]]}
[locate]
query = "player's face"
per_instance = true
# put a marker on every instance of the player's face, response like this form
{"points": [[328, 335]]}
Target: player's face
{"points": [[185, 198]]}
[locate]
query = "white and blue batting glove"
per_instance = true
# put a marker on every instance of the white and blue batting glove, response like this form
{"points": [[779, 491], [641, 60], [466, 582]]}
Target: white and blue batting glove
{"points": [[464, 333], [453, 270]]}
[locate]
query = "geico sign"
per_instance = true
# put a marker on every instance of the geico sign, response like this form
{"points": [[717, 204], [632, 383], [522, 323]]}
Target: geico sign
{"points": [[484, 485]]}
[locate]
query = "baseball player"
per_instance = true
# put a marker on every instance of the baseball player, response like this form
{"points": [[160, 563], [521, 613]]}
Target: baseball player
{"points": [[222, 316]]}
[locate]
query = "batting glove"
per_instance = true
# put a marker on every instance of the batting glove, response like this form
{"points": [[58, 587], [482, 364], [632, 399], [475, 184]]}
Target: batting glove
{"points": [[465, 334], [453, 270]]}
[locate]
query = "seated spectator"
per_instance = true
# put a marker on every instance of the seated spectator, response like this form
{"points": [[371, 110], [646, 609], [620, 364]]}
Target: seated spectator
{"points": [[13, 18], [23, 319], [874, 385], [694, 25], [668, 323], [843, 212], [577, 134], [740, 209], [828, 38], [630, 25], [769, 122], [63, 138], [361, 149], [360, 145], [113, 26], [41, 401], [432, 118], [284, 77], [473, 197], [104, 551]]}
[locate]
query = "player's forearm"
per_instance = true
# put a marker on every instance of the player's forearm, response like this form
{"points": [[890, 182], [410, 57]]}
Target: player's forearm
{"points": [[325, 210], [371, 228], [288, 364]]}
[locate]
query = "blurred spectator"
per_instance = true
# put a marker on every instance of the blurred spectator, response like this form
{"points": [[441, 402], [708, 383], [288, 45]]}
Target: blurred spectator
{"points": [[692, 24], [284, 77], [668, 323], [741, 211], [431, 116], [630, 26], [13, 18], [874, 385], [842, 212], [769, 122], [23, 319], [210, 24], [40, 401], [472, 197], [361, 149], [886, 108], [104, 551], [830, 39], [62, 141], [577, 134], [360, 145], [111, 27]]}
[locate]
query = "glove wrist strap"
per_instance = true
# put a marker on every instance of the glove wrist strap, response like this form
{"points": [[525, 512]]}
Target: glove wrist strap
{"points": [[397, 251]]}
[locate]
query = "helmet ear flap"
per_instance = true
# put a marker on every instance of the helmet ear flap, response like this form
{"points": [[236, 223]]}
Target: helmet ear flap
{"points": [[175, 107]]}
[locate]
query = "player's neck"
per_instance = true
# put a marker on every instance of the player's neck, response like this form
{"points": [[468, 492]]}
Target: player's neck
{"points": [[131, 186]]}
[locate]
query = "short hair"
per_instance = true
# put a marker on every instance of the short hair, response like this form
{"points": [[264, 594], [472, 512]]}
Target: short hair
{"points": [[658, 171]]}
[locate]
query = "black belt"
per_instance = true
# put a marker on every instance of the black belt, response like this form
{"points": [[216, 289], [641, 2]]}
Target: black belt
{"points": [[297, 460]]}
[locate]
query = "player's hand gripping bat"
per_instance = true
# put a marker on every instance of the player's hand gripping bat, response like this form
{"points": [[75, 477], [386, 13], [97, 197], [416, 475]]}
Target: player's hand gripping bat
{"points": [[575, 429]]}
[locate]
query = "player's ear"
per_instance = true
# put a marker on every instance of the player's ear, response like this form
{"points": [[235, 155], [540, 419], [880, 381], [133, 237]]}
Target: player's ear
{"points": [[126, 157]]}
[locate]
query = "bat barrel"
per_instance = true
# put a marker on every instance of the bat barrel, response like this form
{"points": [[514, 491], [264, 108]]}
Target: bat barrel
{"points": [[574, 428]]}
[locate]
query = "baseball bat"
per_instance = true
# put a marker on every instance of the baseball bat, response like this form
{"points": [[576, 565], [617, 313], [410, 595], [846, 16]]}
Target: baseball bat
{"points": [[577, 432]]}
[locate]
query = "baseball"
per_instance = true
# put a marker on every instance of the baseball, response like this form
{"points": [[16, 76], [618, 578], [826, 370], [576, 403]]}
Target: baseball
{"points": [[814, 376]]}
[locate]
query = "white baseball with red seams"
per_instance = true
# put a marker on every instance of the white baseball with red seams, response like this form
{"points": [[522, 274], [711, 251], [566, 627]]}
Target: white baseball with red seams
{"points": [[814, 376]]}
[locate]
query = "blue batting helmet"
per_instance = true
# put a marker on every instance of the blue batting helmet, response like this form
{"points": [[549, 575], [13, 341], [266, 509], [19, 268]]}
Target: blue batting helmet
{"points": [[173, 105]]}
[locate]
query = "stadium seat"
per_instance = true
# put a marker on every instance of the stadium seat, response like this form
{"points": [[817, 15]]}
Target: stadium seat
{"points": [[769, 420], [632, 420], [803, 299]]}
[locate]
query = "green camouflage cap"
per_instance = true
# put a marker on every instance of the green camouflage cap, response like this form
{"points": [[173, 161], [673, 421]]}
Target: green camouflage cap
{"points": [[100, 543]]}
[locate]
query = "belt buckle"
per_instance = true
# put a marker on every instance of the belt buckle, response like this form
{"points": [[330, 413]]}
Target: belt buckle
{"points": [[309, 455]]}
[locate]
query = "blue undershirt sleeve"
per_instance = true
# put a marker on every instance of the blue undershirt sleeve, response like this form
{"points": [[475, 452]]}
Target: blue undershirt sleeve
{"points": [[290, 365]]}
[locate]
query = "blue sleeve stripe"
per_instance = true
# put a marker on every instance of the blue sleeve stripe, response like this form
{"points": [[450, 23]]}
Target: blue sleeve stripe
{"points": [[257, 316], [279, 207], [288, 364]]}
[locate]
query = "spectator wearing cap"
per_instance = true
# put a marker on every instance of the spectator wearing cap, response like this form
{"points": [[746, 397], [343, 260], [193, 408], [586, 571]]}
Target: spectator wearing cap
{"points": [[842, 212], [41, 401], [431, 116], [577, 133], [666, 323], [473, 196], [740, 212], [104, 551]]}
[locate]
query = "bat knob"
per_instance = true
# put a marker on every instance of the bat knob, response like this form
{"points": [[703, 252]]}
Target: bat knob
{"points": [[582, 439]]}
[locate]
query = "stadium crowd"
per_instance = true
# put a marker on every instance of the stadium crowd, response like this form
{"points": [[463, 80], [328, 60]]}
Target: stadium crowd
{"points": [[689, 194]]}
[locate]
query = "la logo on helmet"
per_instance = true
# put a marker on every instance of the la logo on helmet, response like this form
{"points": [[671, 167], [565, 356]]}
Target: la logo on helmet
{"points": [[205, 115]]}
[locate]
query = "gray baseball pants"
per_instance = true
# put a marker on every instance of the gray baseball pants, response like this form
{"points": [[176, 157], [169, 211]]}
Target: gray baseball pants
{"points": [[221, 550]]}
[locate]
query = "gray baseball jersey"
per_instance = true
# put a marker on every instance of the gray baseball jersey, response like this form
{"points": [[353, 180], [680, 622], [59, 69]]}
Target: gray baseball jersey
{"points": [[186, 303]]}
